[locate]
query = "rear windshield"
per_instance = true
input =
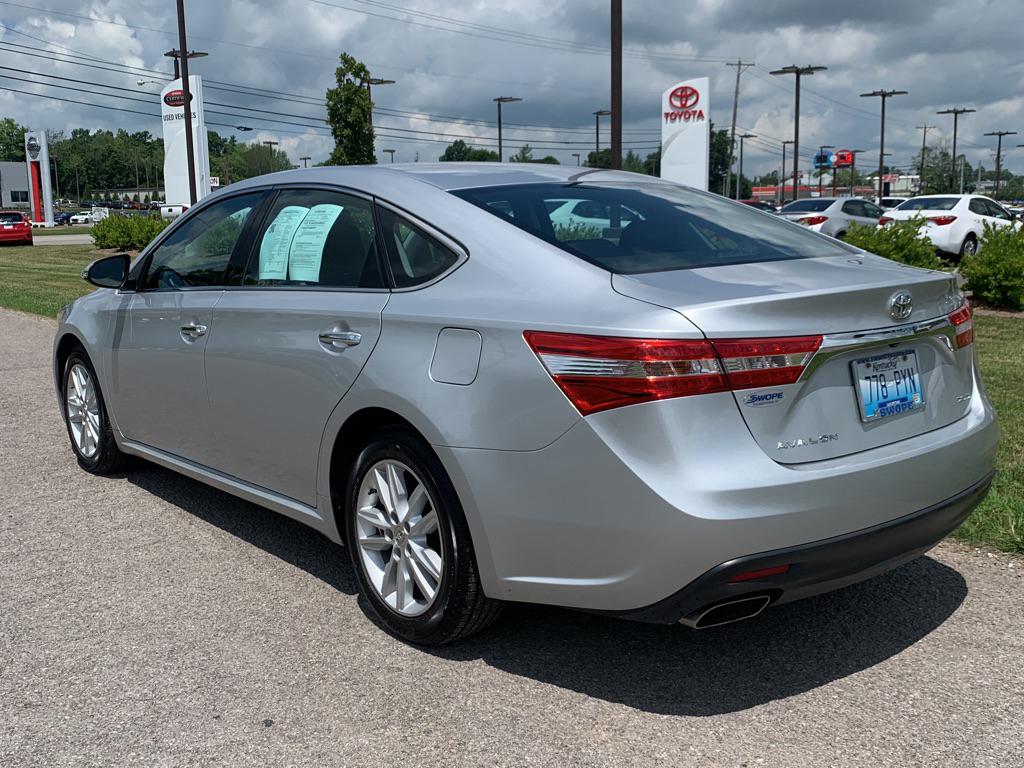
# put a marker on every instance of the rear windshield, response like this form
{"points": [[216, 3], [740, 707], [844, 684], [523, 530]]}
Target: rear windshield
{"points": [[648, 227], [10, 218], [929, 204], [800, 206]]}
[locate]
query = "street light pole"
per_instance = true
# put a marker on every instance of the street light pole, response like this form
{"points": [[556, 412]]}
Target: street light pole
{"points": [[270, 153], [190, 152], [390, 153], [884, 96], [598, 114], [782, 178], [305, 160], [853, 168], [924, 144], [370, 82], [798, 72], [577, 156], [955, 112], [503, 100], [616, 34], [999, 152], [739, 176]]}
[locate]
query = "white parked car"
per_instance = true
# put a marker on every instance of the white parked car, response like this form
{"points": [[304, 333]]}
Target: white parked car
{"points": [[81, 218], [832, 215], [891, 202], [572, 213], [954, 223]]}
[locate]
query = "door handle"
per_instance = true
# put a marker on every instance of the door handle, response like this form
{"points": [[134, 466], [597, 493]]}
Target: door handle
{"points": [[340, 339], [192, 331]]}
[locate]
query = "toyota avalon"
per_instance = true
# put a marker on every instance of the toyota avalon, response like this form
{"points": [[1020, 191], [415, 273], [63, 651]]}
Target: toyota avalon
{"points": [[681, 410]]}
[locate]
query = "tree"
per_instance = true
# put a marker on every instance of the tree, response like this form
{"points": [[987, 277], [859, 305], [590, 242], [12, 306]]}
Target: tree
{"points": [[602, 159], [348, 113], [718, 160], [524, 155], [460, 151], [548, 160], [12, 140], [652, 165], [632, 162]]}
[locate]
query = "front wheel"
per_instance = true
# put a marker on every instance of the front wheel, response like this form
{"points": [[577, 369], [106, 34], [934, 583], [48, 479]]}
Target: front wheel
{"points": [[410, 544], [85, 415]]}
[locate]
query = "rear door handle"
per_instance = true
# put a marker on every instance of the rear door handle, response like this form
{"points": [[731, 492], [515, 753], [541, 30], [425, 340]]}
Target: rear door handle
{"points": [[340, 339], [192, 331]]}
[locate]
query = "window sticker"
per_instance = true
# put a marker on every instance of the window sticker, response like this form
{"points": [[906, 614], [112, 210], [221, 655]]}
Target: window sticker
{"points": [[307, 245], [277, 242]]}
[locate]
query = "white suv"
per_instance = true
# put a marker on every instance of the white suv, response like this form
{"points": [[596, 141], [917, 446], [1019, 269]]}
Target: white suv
{"points": [[954, 223]]}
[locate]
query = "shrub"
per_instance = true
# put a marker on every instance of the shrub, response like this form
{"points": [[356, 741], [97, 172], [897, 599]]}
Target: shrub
{"points": [[127, 233], [577, 231], [900, 241], [996, 272]]}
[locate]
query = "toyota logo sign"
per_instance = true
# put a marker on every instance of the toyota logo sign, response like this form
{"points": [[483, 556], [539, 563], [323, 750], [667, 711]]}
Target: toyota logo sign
{"points": [[684, 97], [901, 305], [176, 98]]}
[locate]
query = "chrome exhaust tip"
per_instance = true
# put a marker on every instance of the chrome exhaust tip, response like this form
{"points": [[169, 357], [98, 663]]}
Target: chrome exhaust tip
{"points": [[727, 612]]}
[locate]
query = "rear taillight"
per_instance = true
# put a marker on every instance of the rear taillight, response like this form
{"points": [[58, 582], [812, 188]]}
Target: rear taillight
{"points": [[751, 363], [884, 220], [813, 221], [963, 324], [941, 220], [601, 372]]}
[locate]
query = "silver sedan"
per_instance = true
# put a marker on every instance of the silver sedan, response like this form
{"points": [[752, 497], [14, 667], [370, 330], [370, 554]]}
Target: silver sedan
{"points": [[679, 410]]}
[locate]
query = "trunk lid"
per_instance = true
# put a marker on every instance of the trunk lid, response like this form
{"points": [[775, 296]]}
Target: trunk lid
{"points": [[840, 298]]}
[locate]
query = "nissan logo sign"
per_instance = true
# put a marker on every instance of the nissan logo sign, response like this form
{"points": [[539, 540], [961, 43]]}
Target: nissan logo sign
{"points": [[176, 98], [33, 147], [684, 97]]}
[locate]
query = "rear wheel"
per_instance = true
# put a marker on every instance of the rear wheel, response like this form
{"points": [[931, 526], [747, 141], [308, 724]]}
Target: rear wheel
{"points": [[410, 544], [85, 416], [969, 247]]}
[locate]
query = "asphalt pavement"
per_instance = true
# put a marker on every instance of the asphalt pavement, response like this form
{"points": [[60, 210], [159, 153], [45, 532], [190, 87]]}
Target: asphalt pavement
{"points": [[73, 239], [147, 620]]}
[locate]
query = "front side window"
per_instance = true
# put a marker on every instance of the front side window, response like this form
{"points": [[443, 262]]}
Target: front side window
{"points": [[315, 237], [196, 254], [415, 256], [651, 227], [996, 211]]}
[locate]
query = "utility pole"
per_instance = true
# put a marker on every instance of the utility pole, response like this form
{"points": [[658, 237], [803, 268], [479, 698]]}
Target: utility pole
{"points": [[190, 151], [390, 153], [884, 96], [798, 72], [999, 152], [306, 158], [616, 32], [782, 178], [955, 112], [502, 100], [598, 114], [739, 175], [740, 66], [924, 144]]}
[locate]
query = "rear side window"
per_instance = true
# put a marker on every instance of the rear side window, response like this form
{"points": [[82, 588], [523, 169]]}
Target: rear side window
{"points": [[977, 205], [415, 256], [810, 206], [650, 227], [929, 204], [196, 254], [314, 237]]}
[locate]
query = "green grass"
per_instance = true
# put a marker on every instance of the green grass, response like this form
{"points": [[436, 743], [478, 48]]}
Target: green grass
{"points": [[43, 278], [999, 521], [48, 231]]}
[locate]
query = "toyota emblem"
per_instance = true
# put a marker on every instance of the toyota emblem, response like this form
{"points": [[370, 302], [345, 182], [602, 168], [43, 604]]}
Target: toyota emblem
{"points": [[901, 305], [684, 97]]}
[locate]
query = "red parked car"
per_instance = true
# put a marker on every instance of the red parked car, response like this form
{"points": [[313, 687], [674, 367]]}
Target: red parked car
{"points": [[15, 228]]}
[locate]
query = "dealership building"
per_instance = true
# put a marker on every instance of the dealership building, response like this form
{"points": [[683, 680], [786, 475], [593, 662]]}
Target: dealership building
{"points": [[13, 185]]}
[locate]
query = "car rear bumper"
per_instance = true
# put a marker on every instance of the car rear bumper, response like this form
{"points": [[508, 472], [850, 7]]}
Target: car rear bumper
{"points": [[818, 567]]}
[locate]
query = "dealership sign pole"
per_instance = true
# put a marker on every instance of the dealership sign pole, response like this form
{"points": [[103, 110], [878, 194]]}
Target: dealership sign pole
{"points": [[37, 162], [177, 186], [685, 133]]}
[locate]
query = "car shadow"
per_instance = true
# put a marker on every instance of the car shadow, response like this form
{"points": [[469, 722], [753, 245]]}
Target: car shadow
{"points": [[669, 670]]}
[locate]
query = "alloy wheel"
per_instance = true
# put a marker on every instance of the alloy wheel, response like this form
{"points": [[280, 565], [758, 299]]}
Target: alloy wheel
{"points": [[83, 410], [399, 539]]}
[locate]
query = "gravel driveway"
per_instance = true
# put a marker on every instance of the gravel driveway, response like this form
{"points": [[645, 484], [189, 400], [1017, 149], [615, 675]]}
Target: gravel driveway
{"points": [[147, 620]]}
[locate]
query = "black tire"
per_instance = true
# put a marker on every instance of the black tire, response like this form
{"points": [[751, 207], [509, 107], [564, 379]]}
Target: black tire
{"points": [[460, 607], [968, 247], [108, 457]]}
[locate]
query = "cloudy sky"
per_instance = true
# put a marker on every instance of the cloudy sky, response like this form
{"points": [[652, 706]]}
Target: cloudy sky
{"points": [[451, 59]]}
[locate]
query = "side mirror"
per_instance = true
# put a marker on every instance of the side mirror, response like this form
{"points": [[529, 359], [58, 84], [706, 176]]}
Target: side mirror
{"points": [[109, 272]]}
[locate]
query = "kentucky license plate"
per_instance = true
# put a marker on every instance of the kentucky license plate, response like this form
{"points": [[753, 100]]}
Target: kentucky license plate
{"points": [[888, 385]]}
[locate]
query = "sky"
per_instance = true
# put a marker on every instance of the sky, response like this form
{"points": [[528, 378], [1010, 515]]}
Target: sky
{"points": [[450, 59]]}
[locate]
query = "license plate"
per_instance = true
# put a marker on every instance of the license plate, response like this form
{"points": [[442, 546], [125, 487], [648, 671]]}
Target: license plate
{"points": [[8, 226], [888, 385]]}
